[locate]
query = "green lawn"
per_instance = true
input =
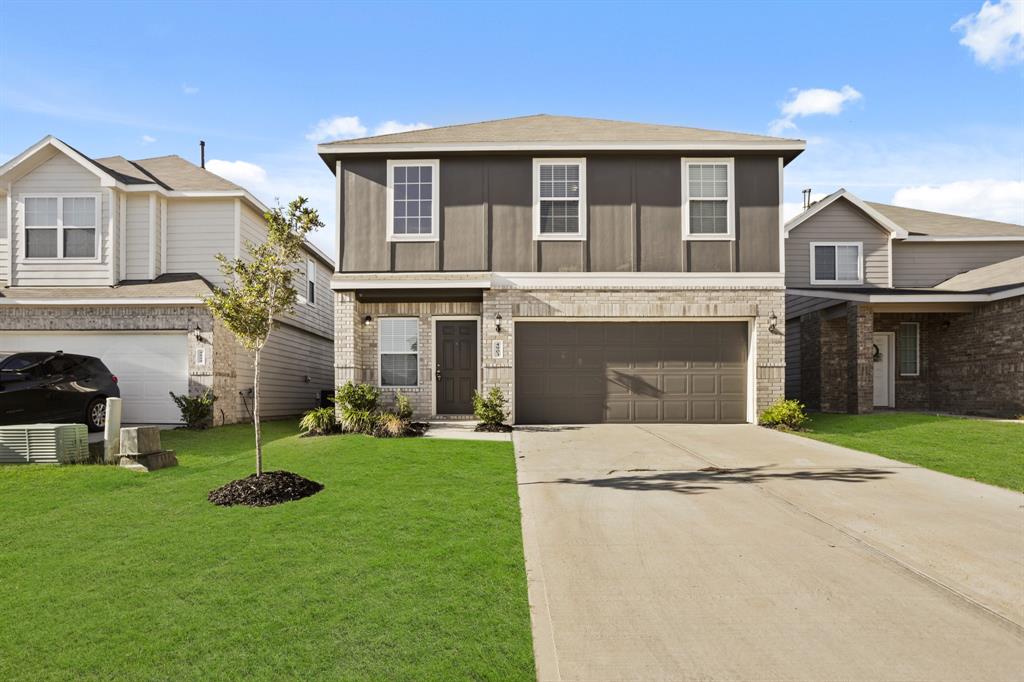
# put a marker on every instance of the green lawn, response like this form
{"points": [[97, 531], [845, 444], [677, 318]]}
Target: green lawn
{"points": [[408, 565], [987, 451]]}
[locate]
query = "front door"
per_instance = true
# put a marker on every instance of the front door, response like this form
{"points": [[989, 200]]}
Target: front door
{"points": [[456, 372], [883, 361]]}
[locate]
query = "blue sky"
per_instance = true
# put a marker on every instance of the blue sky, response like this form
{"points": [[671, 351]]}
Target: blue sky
{"points": [[898, 101]]}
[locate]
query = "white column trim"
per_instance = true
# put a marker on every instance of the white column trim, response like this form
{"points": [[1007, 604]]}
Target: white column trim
{"points": [[238, 229], [337, 215], [112, 236], [152, 236], [122, 218], [10, 236], [163, 235]]}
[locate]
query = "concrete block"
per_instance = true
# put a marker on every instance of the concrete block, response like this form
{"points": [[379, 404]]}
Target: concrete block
{"points": [[140, 440], [150, 462]]}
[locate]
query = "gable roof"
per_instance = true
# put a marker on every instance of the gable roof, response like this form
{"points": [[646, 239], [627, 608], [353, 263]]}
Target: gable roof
{"points": [[883, 221], [1003, 274], [930, 223], [547, 132]]}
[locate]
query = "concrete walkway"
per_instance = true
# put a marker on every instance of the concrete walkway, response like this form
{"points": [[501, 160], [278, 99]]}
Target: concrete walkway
{"points": [[676, 552]]}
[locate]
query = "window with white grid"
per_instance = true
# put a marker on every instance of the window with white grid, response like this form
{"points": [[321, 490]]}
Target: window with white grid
{"points": [[399, 351], [61, 226], [559, 191], [412, 200], [708, 198]]}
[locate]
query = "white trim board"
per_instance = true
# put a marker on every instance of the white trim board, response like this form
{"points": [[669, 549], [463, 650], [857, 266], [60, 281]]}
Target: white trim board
{"points": [[841, 193], [186, 300], [951, 297], [425, 147]]}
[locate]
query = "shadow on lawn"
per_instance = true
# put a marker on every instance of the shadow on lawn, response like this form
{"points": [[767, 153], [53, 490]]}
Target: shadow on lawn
{"points": [[713, 478]]}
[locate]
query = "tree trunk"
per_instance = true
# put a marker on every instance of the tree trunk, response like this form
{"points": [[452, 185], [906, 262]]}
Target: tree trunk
{"points": [[256, 413]]}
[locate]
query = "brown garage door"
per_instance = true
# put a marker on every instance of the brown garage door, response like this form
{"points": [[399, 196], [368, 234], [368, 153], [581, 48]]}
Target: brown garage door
{"points": [[590, 372]]}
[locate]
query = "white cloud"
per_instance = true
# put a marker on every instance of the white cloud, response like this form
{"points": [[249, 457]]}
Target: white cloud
{"points": [[812, 102], [189, 89], [389, 127], [991, 199], [148, 139], [241, 172], [337, 128], [995, 35]]}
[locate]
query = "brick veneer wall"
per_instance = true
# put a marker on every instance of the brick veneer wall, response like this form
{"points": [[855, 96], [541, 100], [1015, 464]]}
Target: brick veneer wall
{"points": [[218, 373], [860, 365]]}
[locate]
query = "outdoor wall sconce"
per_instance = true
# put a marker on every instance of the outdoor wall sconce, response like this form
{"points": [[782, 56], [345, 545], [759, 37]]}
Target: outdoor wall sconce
{"points": [[199, 334], [306, 379], [497, 323], [367, 320], [773, 322]]}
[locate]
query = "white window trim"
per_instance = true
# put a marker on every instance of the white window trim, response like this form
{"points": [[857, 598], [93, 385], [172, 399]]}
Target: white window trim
{"points": [[435, 192], [917, 356], [839, 282], [381, 353], [23, 246], [310, 264], [730, 207], [580, 236]]}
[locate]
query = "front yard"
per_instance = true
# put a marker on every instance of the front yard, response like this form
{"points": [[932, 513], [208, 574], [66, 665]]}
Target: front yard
{"points": [[408, 565], [987, 451]]}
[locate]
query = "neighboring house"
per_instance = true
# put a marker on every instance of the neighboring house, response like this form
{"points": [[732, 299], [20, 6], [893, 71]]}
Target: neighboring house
{"points": [[901, 308], [112, 258], [594, 271]]}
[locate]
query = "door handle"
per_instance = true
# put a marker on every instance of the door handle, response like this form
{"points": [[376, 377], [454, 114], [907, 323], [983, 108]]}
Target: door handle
{"points": [[437, 374]]}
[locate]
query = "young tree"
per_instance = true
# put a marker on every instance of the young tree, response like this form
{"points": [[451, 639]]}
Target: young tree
{"points": [[259, 288]]}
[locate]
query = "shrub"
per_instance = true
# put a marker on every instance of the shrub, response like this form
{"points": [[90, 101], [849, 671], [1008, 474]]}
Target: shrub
{"points": [[490, 410], [196, 411], [319, 421], [361, 397], [403, 408], [390, 425], [358, 421], [787, 415]]}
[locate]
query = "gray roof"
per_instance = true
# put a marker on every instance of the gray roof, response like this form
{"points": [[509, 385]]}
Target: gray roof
{"points": [[998, 275], [929, 223], [541, 128], [173, 286], [173, 172]]}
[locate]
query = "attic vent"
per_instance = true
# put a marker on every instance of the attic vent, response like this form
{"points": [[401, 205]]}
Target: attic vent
{"points": [[44, 444]]}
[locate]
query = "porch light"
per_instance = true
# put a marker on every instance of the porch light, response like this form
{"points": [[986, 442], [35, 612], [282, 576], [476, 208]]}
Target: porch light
{"points": [[497, 322], [773, 322], [367, 320]]}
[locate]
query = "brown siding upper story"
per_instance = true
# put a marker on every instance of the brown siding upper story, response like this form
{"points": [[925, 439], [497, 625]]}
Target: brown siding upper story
{"points": [[634, 219]]}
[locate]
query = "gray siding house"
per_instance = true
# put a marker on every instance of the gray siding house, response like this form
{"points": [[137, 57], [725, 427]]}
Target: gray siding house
{"points": [[890, 307], [112, 258], [594, 271]]}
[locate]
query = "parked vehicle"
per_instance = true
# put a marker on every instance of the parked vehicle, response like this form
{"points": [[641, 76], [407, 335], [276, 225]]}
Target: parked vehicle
{"points": [[41, 387]]}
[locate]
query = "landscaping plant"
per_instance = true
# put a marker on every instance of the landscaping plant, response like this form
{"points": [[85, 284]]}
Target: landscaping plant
{"points": [[490, 410], [357, 405], [319, 421], [786, 415], [196, 411]]}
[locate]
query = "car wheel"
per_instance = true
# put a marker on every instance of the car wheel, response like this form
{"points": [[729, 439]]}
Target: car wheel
{"points": [[96, 414]]}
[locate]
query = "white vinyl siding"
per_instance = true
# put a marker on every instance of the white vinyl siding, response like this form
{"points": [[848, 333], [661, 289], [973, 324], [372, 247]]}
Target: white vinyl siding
{"points": [[4, 241], [56, 176], [708, 199], [197, 230], [413, 197], [560, 199], [398, 346], [839, 222], [908, 346], [137, 236]]}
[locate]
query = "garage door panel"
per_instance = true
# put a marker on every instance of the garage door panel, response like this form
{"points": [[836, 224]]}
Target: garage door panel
{"points": [[631, 371]]}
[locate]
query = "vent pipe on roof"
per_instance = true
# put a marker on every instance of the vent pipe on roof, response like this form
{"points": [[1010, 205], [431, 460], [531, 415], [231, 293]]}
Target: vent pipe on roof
{"points": [[807, 198], [202, 154]]}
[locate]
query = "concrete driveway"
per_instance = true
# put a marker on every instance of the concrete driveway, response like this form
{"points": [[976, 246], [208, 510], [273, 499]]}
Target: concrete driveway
{"points": [[676, 552]]}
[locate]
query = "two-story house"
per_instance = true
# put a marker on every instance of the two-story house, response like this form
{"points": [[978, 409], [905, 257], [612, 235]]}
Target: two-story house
{"points": [[112, 258], [593, 270], [901, 308]]}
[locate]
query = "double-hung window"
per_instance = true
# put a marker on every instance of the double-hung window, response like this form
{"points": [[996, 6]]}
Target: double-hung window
{"points": [[837, 263], [399, 342], [560, 199], [412, 200], [64, 226], [909, 346], [708, 191]]}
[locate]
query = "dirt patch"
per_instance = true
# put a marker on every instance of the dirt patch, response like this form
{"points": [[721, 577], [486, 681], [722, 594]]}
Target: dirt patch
{"points": [[493, 428], [273, 487]]}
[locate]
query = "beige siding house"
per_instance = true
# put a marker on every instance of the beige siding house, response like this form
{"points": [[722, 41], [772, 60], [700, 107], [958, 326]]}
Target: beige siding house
{"points": [[890, 307], [111, 257]]}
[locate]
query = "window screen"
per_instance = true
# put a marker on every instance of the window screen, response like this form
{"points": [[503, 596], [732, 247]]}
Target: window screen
{"points": [[399, 351]]}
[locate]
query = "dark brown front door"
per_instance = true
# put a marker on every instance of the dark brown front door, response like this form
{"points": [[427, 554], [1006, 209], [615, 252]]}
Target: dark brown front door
{"points": [[456, 371]]}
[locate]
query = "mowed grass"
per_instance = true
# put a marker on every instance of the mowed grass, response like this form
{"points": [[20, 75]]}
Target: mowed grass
{"points": [[987, 451], [407, 566]]}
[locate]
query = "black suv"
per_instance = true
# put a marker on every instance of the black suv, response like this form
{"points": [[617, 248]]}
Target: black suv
{"points": [[38, 388]]}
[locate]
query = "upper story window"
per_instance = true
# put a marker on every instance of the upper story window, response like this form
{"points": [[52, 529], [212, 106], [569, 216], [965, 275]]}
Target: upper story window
{"points": [[560, 199], [708, 193], [837, 263], [63, 226], [310, 281], [412, 200]]}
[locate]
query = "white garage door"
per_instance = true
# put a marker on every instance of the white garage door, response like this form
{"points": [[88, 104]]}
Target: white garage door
{"points": [[147, 366]]}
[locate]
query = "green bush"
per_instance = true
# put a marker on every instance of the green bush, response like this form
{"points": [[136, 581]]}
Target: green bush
{"points": [[196, 411], [358, 397], [403, 408], [787, 415], [319, 421], [490, 409]]}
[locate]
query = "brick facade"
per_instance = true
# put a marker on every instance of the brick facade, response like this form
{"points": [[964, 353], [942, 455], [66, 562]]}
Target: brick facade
{"points": [[356, 343]]}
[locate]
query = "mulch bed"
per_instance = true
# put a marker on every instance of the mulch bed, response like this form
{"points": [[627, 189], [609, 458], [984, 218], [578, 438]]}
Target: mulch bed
{"points": [[273, 487], [493, 428], [417, 428]]}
